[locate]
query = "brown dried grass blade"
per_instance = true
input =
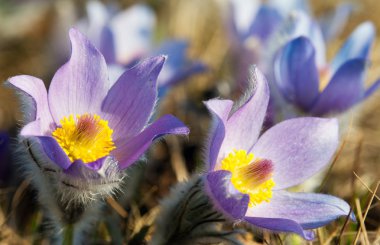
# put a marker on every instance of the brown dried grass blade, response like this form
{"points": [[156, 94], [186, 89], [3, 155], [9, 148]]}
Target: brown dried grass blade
{"points": [[117, 207], [361, 222]]}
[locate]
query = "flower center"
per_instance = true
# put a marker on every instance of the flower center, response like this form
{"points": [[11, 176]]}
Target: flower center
{"points": [[86, 137], [250, 176]]}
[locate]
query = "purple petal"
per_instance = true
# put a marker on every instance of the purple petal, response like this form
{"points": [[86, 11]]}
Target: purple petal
{"points": [[33, 129], [226, 198], [244, 126], [80, 85], [286, 7], [372, 89], [220, 110], [332, 23], [35, 88], [358, 45], [176, 52], [181, 75], [243, 14], [5, 158], [177, 66], [130, 151], [266, 22], [300, 24], [107, 46], [298, 148], [133, 32], [129, 103], [344, 90], [54, 151], [97, 18], [281, 225], [296, 73], [81, 169], [310, 210]]}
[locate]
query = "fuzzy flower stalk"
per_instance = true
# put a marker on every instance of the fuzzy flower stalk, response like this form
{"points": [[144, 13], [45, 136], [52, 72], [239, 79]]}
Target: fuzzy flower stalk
{"points": [[85, 131]]}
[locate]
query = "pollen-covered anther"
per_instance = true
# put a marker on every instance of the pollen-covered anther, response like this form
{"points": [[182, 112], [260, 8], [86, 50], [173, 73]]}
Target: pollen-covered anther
{"points": [[250, 177], [87, 137], [255, 174]]}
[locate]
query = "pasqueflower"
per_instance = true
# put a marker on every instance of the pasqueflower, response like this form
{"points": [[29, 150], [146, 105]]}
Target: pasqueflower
{"points": [[254, 26], [86, 129], [315, 87], [248, 174]]}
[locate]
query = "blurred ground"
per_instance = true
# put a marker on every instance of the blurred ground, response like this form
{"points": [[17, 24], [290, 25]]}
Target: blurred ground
{"points": [[30, 35]]}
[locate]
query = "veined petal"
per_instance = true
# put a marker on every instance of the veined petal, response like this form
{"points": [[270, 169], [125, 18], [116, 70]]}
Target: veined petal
{"points": [[309, 210], [133, 32], [281, 225], [358, 45], [244, 126], [344, 90], [226, 198], [129, 103], [296, 73], [35, 88], [130, 151], [220, 110], [298, 148], [80, 85]]}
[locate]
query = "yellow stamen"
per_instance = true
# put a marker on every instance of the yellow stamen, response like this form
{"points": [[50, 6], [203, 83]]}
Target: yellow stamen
{"points": [[87, 137], [250, 177]]}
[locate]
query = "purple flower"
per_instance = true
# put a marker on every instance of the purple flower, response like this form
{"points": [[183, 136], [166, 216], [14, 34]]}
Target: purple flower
{"points": [[247, 174], [86, 126], [126, 37], [257, 30], [250, 25], [317, 88], [4, 157]]}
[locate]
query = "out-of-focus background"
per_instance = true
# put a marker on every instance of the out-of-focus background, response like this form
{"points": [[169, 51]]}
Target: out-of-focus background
{"points": [[34, 41]]}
